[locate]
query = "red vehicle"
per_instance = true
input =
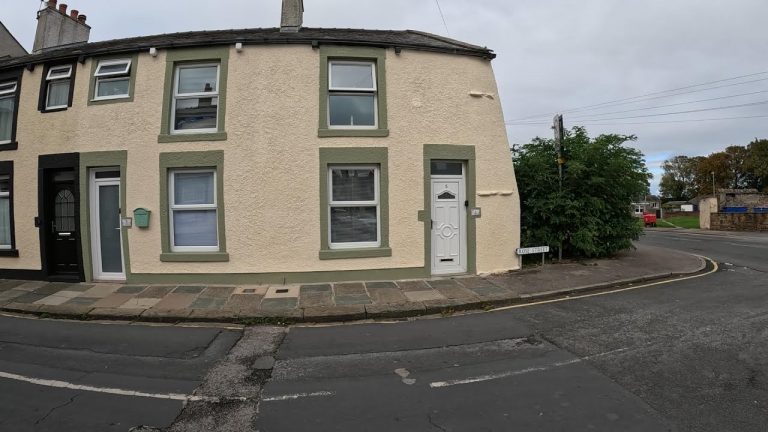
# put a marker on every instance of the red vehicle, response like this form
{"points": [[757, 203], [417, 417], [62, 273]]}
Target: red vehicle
{"points": [[649, 219]]}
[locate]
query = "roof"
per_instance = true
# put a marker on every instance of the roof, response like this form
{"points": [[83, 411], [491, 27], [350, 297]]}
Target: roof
{"points": [[11, 43], [406, 39]]}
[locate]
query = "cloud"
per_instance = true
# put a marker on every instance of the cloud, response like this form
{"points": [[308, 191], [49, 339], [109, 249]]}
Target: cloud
{"points": [[552, 55]]}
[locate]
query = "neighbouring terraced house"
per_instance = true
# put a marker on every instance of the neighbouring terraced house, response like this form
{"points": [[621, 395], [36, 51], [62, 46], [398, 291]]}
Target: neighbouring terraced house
{"points": [[268, 155]]}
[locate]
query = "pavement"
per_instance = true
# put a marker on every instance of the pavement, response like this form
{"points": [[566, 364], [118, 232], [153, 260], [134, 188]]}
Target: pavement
{"points": [[343, 301]]}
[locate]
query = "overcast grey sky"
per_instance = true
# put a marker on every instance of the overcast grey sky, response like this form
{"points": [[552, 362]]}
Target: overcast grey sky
{"points": [[552, 54]]}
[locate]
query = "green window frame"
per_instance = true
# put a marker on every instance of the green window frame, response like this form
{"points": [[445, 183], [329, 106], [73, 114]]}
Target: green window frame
{"points": [[331, 157], [169, 162], [329, 53], [134, 59], [188, 56]]}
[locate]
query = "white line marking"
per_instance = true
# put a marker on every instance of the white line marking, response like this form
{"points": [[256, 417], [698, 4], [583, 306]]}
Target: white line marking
{"points": [[108, 390], [576, 297], [507, 374], [746, 245], [296, 396]]}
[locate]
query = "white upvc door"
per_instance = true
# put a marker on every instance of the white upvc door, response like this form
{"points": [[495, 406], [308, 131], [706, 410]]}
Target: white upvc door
{"points": [[106, 230], [449, 220]]}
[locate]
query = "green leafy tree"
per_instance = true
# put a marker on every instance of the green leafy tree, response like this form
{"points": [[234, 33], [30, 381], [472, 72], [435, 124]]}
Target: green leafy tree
{"points": [[591, 213], [757, 163], [678, 183]]}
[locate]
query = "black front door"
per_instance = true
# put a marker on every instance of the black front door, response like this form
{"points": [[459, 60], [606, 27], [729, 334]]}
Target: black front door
{"points": [[61, 224]]}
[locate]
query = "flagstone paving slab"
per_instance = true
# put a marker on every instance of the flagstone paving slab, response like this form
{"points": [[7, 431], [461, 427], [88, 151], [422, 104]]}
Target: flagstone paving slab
{"points": [[30, 285], [131, 289], [9, 284], [217, 292], [156, 291], [208, 303], [252, 289], [279, 303], [176, 300], [139, 303], [82, 301], [413, 285], [189, 289], [101, 290], [380, 285], [316, 288], [53, 300], [451, 289], [315, 299], [30, 297], [349, 288], [420, 296], [282, 291], [387, 296], [352, 299], [113, 300], [11, 294], [237, 302]]}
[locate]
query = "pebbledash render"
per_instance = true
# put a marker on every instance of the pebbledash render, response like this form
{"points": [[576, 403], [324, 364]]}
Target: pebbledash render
{"points": [[274, 155]]}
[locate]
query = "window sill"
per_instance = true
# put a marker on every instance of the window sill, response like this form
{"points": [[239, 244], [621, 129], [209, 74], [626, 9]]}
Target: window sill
{"points": [[110, 101], [352, 132], [52, 110], [9, 253], [194, 257], [173, 138], [327, 254], [9, 146]]}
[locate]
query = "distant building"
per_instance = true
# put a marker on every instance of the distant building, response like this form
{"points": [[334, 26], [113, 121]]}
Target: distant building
{"points": [[742, 201], [649, 204]]}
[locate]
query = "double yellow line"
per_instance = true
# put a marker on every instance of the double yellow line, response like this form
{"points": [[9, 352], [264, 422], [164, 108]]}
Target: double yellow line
{"points": [[613, 291]]}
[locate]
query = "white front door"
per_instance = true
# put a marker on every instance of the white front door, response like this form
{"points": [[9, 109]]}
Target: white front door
{"points": [[449, 220], [106, 231]]}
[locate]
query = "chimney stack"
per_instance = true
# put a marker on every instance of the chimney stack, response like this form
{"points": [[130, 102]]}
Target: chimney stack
{"points": [[292, 16], [55, 28]]}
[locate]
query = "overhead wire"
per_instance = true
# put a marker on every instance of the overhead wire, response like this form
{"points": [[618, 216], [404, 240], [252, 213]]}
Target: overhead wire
{"points": [[658, 95], [649, 122], [442, 17]]}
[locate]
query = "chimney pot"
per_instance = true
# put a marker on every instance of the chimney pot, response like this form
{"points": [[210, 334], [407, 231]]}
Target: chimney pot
{"points": [[81, 19], [74, 13], [63, 8], [52, 4]]}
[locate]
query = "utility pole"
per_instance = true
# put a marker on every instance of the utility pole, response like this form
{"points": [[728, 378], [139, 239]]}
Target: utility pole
{"points": [[559, 135], [713, 184]]}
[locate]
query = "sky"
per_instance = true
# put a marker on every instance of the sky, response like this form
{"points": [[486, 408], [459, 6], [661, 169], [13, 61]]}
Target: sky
{"points": [[553, 56]]}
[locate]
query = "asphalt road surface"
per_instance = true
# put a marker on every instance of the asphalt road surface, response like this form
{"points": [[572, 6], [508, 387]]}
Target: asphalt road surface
{"points": [[77, 376], [690, 355]]}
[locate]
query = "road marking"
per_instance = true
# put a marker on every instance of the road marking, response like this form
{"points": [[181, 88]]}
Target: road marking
{"points": [[403, 373], [109, 390], [746, 245], [296, 396], [576, 297], [507, 374]]}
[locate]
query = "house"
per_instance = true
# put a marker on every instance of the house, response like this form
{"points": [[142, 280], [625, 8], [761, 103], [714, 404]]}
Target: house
{"points": [[648, 204], [268, 155], [678, 206], [742, 201]]}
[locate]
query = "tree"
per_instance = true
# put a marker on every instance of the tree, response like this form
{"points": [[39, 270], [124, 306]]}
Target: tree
{"points": [[591, 213], [757, 163], [678, 183]]}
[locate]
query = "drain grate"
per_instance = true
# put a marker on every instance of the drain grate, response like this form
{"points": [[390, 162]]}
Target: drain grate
{"points": [[281, 290]]}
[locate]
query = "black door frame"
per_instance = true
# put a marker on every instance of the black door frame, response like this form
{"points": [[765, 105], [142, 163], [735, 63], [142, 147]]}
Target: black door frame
{"points": [[47, 163]]}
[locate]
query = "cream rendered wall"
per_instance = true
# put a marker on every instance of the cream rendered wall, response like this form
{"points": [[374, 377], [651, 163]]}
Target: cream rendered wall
{"points": [[271, 158]]}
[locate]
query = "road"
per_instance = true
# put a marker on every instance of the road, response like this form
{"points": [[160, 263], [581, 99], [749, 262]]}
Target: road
{"points": [[690, 355]]}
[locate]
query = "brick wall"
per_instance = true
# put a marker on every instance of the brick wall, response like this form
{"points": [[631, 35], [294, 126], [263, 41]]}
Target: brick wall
{"points": [[739, 221]]}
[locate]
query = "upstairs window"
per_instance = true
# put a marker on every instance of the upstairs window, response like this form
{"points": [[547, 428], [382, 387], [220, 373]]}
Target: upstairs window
{"points": [[352, 95], [58, 83], [195, 98], [7, 110], [113, 79]]}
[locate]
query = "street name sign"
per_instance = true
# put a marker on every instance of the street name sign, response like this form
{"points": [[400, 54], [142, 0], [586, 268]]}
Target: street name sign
{"points": [[532, 250]]}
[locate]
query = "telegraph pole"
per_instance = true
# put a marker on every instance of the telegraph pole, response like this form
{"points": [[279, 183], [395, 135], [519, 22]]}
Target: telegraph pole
{"points": [[559, 135]]}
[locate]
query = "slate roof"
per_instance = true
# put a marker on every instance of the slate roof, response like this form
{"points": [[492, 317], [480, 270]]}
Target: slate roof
{"points": [[406, 39]]}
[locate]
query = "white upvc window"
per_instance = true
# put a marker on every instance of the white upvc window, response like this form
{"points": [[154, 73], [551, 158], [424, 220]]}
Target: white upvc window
{"points": [[193, 210], [352, 95], [113, 78], [195, 98], [5, 213], [354, 219], [59, 79], [7, 108]]}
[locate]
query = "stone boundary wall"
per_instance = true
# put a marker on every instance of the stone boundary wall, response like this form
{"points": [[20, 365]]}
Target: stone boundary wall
{"points": [[739, 221], [669, 214]]}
